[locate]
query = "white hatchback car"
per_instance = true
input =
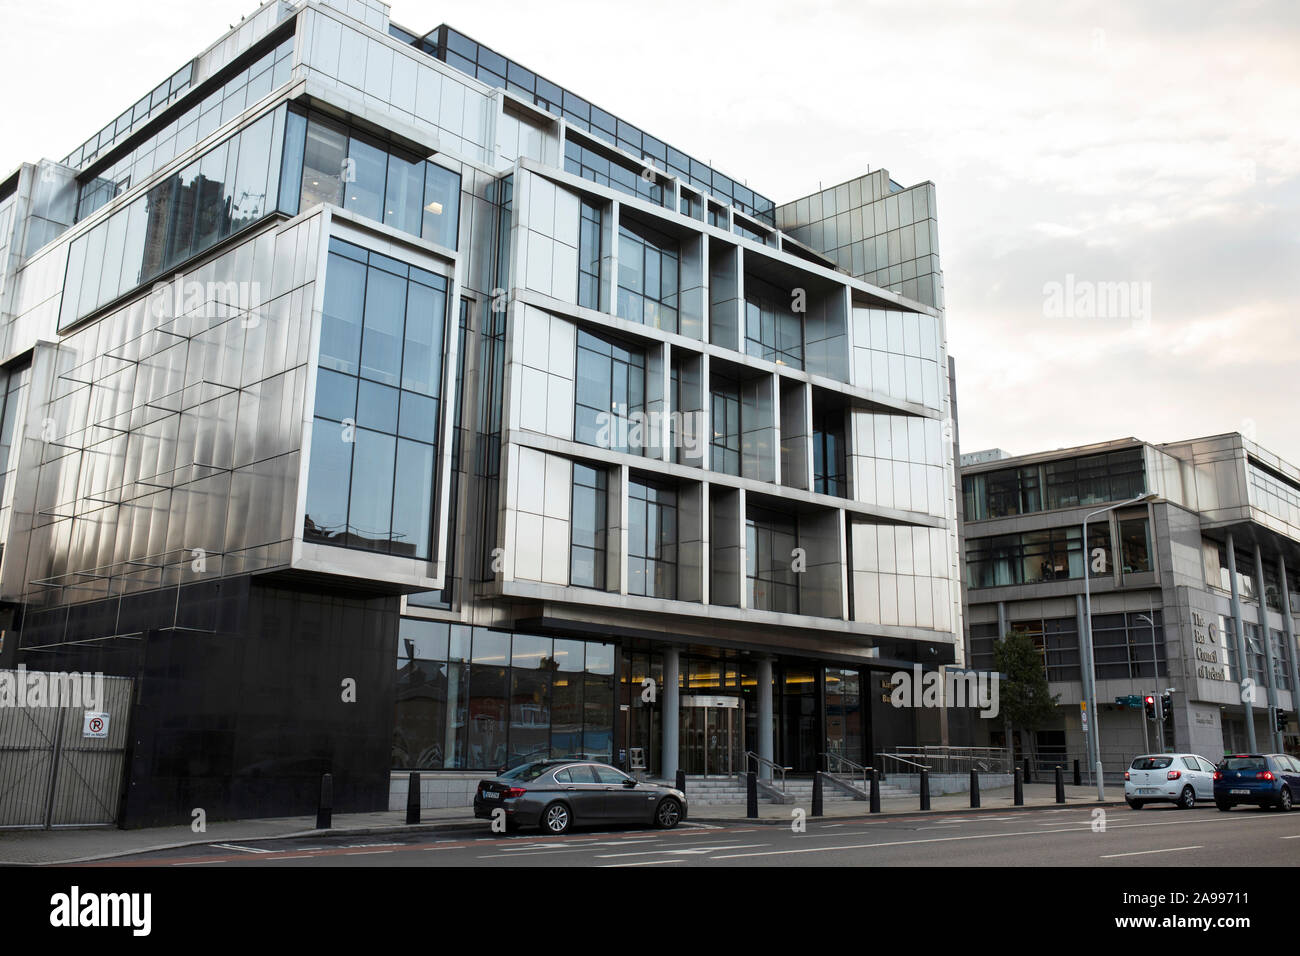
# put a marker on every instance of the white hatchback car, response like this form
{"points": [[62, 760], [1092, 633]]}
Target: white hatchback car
{"points": [[1180, 779]]}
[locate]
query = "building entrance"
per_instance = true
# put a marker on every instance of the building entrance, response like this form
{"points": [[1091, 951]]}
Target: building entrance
{"points": [[712, 735]]}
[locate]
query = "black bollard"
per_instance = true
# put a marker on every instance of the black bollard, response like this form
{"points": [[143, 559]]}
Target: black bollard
{"points": [[925, 789], [1028, 777], [681, 780], [974, 789], [751, 795], [1078, 779], [875, 790], [325, 812], [1060, 784], [1019, 790], [817, 795], [413, 799]]}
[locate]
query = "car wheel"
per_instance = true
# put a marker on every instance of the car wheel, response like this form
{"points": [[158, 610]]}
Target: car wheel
{"points": [[1133, 804], [1223, 805], [1284, 800], [1187, 799], [557, 818], [668, 814]]}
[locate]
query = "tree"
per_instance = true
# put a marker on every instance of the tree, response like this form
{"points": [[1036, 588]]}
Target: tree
{"points": [[1024, 697]]}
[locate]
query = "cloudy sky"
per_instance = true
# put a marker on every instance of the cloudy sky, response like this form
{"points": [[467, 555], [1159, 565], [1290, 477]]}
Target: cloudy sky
{"points": [[1074, 145]]}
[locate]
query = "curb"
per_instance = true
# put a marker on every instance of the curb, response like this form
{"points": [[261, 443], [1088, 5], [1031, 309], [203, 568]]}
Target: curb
{"points": [[297, 834], [884, 814]]}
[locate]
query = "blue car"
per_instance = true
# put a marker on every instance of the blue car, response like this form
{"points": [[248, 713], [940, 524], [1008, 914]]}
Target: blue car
{"points": [[1263, 780]]}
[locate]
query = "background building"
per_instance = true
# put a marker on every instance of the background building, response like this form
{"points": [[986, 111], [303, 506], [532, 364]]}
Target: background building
{"points": [[380, 405], [1194, 590]]}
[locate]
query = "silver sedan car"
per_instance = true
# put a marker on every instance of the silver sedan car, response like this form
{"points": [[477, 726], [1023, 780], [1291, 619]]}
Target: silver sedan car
{"points": [[558, 794]]}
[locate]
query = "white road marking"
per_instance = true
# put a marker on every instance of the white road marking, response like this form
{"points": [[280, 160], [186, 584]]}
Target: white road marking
{"points": [[242, 849], [641, 863], [683, 851], [1172, 849], [953, 839]]}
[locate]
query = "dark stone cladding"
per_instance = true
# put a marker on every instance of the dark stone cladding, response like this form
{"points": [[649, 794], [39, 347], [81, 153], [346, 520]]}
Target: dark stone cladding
{"points": [[238, 706]]}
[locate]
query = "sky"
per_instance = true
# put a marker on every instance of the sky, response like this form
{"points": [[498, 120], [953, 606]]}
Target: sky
{"points": [[1118, 184]]}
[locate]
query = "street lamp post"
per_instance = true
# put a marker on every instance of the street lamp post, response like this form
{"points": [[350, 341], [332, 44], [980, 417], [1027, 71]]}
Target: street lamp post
{"points": [[1089, 665], [1150, 618]]}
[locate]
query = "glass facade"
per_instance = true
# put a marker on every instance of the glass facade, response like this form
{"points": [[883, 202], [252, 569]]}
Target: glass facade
{"points": [[326, 162], [771, 539], [478, 699], [830, 462], [589, 253], [611, 394], [773, 330], [1124, 645], [379, 385], [652, 540], [267, 72], [1070, 483], [228, 188], [477, 60], [613, 172], [1274, 494], [648, 266], [1033, 557], [588, 527]]}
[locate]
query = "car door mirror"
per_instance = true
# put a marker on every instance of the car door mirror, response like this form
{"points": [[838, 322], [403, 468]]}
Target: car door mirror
{"points": [[629, 783]]}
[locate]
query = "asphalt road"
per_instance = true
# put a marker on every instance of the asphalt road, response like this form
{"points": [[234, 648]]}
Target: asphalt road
{"points": [[1156, 836]]}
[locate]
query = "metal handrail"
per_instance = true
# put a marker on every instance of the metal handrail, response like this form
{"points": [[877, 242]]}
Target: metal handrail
{"points": [[854, 768], [769, 764], [904, 760]]}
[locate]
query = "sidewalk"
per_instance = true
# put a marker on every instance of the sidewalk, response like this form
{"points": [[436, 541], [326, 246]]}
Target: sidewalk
{"points": [[35, 847]]}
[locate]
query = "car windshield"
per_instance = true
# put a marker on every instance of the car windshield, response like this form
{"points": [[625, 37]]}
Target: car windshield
{"points": [[1151, 763], [1245, 763], [526, 771]]}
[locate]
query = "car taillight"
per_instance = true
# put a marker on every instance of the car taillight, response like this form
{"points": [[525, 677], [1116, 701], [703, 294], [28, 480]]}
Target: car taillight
{"points": [[1218, 775], [1264, 775], [1126, 776], [1175, 774], [515, 792]]}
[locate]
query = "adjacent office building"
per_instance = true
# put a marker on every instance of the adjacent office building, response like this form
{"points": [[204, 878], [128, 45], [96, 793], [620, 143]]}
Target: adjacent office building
{"points": [[381, 405], [1193, 591]]}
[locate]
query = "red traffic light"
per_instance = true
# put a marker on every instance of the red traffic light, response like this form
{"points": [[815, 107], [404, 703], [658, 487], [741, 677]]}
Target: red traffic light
{"points": [[1151, 700]]}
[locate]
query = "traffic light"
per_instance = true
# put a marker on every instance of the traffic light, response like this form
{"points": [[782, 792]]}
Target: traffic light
{"points": [[1150, 703], [1282, 718], [1167, 706]]}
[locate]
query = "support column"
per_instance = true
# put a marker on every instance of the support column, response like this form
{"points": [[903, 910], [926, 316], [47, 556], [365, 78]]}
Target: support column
{"points": [[1239, 639], [1288, 628], [764, 746], [671, 713], [1270, 669]]}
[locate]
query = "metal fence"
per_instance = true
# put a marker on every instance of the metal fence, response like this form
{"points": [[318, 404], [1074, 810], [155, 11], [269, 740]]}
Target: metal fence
{"points": [[61, 757]]}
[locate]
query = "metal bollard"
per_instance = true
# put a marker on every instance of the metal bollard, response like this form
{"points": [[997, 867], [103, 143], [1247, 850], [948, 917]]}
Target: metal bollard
{"points": [[817, 795], [681, 780], [1019, 790], [974, 789], [413, 799], [875, 790], [1028, 777], [1078, 778], [751, 795], [925, 789], [325, 811], [1060, 784]]}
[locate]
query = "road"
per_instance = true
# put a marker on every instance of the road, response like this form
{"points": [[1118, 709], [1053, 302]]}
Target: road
{"points": [[1155, 836]]}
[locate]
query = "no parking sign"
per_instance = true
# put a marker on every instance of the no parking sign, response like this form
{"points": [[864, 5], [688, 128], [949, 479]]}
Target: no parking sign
{"points": [[95, 725]]}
